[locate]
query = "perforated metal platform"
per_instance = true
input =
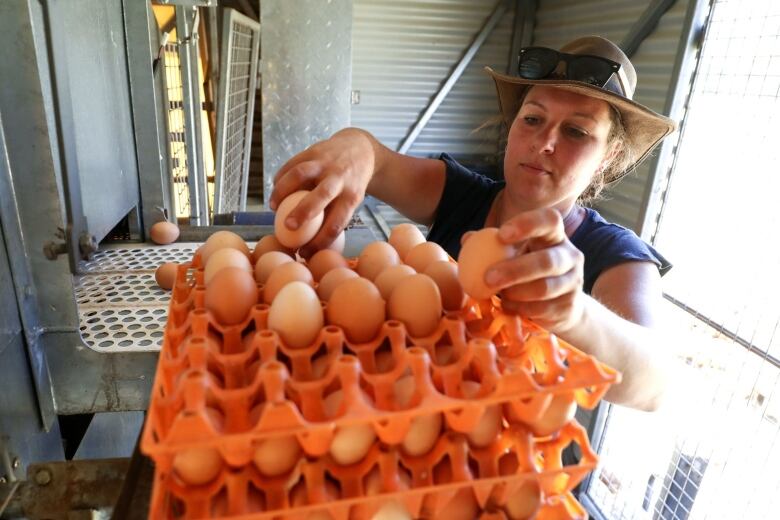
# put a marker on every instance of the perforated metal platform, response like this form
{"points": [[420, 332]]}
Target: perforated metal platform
{"points": [[121, 308]]}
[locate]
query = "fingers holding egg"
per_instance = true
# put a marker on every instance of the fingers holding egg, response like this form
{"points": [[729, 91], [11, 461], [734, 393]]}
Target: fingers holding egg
{"points": [[294, 232]]}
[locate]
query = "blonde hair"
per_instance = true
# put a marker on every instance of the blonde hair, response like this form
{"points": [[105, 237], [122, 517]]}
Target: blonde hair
{"points": [[621, 159]]}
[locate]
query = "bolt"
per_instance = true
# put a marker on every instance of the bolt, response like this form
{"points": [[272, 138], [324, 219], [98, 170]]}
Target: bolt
{"points": [[16, 463], [42, 477], [3, 480]]}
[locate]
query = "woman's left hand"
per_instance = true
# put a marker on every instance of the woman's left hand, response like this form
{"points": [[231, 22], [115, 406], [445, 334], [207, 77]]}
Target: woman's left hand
{"points": [[544, 282]]}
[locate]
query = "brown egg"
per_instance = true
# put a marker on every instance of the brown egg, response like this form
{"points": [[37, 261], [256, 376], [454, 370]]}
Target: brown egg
{"points": [[404, 237], [357, 307], [269, 243], [559, 412], [489, 425], [267, 263], [222, 239], [416, 303], [389, 278], [165, 275], [323, 261], [375, 257], [462, 506], [525, 501], [424, 430], [277, 455], [423, 255], [296, 314], [332, 279], [445, 274], [295, 238], [198, 466], [350, 443], [284, 274], [222, 258], [164, 233], [230, 295], [481, 250]]}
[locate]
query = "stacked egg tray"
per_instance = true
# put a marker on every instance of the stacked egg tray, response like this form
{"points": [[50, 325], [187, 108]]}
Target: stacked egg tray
{"points": [[205, 366]]}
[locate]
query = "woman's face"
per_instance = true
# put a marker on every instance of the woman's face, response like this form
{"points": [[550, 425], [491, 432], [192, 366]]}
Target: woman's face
{"points": [[556, 144]]}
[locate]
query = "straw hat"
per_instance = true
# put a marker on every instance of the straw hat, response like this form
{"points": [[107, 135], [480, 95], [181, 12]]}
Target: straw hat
{"points": [[644, 128]]}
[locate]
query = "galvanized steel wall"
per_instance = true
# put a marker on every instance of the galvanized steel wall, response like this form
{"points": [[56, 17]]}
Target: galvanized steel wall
{"points": [[559, 21], [403, 50]]}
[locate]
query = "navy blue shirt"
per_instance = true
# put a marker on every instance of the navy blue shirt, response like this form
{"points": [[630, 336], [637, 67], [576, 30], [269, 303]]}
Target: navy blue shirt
{"points": [[465, 204]]}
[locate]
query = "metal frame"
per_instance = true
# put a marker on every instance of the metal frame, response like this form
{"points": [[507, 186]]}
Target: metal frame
{"points": [[645, 25], [502, 6], [685, 67], [151, 149], [231, 17], [186, 30]]}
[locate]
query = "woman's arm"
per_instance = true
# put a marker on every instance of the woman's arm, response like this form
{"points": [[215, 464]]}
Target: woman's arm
{"points": [[616, 325], [342, 169]]}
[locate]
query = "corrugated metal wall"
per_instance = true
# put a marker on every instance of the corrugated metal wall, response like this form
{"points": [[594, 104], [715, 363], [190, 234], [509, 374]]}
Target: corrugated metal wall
{"points": [[559, 21], [403, 50]]}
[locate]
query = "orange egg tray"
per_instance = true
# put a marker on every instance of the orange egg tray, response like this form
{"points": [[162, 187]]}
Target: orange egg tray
{"points": [[204, 365]]}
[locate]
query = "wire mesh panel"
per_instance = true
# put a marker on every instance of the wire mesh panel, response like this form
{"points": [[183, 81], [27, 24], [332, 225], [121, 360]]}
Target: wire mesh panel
{"points": [[240, 47], [714, 451], [177, 145]]}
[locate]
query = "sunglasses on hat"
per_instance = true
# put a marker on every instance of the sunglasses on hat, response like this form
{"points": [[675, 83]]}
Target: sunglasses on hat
{"points": [[541, 63]]}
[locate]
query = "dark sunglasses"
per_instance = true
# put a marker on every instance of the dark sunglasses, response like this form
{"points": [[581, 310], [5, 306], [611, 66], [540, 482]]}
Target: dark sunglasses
{"points": [[541, 62]]}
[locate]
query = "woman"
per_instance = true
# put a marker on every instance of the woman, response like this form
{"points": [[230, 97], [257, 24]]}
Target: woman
{"points": [[573, 128]]}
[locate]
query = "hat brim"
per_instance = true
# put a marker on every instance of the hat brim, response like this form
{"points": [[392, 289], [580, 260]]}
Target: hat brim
{"points": [[644, 128]]}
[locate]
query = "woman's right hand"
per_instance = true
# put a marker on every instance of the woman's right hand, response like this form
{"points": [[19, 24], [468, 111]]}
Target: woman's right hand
{"points": [[337, 172]]}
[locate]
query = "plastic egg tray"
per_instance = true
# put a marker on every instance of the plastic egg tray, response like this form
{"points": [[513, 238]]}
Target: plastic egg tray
{"points": [[204, 365]]}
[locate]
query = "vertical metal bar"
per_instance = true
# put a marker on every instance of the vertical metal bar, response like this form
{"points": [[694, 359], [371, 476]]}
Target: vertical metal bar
{"points": [[197, 106], [250, 112], [523, 32], [66, 134], [225, 63], [150, 152], [492, 22], [191, 98], [685, 67]]}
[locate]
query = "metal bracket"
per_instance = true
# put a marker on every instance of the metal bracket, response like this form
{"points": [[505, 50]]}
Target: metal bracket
{"points": [[9, 463], [88, 245], [189, 3]]}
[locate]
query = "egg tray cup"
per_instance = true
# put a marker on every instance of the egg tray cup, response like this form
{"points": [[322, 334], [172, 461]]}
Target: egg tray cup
{"points": [[525, 369], [244, 492]]}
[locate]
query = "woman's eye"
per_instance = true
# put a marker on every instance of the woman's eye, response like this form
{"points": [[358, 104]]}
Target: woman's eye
{"points": [[531, 120], [576, 132]]}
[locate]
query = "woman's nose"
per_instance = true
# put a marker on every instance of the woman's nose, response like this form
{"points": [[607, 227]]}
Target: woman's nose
{"points": [[546, 141]]}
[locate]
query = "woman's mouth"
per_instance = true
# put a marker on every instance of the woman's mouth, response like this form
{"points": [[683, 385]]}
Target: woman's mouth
{"points": [[534, 168]]}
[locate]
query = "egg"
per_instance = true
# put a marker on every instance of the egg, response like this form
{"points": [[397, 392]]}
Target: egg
{"points": [[357, 307], [269, 243], [282, 275], [222, 258], [424, 429], [462, 506], [422, 255], [350, 443], [524, 502], [339, 242], [389, 278], [392, 510], [295, 238], [198, 466], [416, 303], [489, 425], [445, 274], [296, 315], [481, 250], [222, 239], [325, 260], [230, 295], [164, 233], [375, 257], [266, 264], [332, 279], [559, 412], [277, 456], [404, 237], [165, 275]]}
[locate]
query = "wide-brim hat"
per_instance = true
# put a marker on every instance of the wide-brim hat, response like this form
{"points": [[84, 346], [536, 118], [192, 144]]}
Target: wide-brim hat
{"points": [[644, 127]]}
